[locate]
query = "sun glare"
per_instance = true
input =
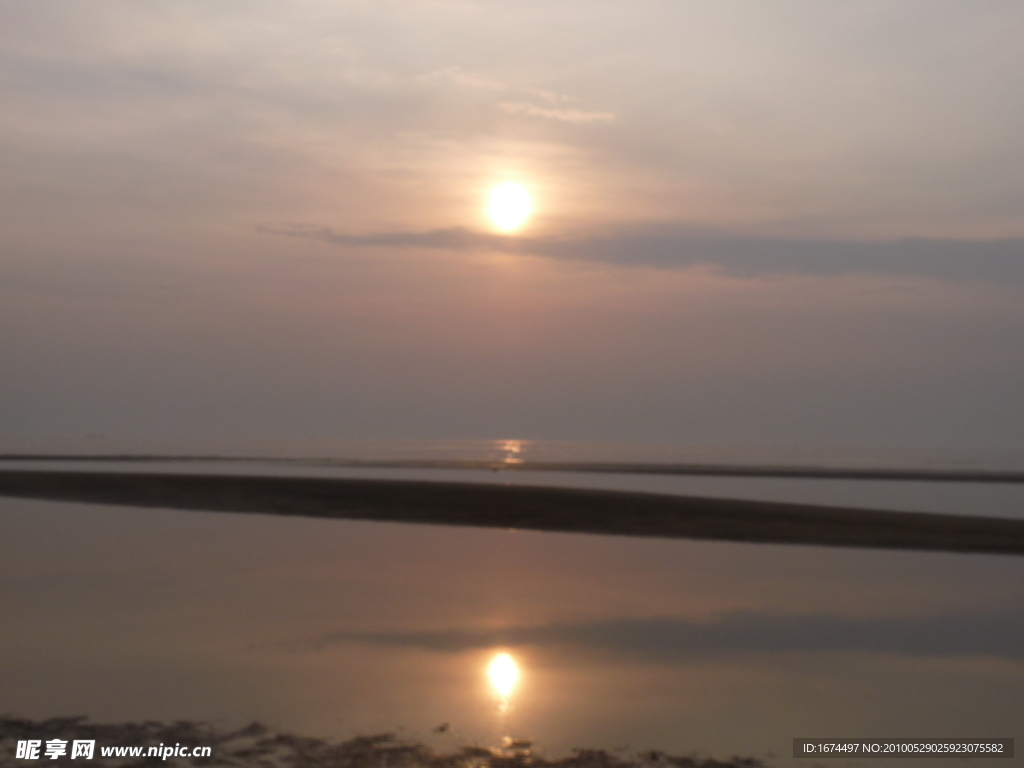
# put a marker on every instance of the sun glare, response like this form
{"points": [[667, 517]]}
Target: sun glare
{"points": [[503, 673], [509, 206]]}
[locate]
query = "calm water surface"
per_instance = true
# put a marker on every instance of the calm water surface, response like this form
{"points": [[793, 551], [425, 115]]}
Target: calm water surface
{"points": [[340, 627]]}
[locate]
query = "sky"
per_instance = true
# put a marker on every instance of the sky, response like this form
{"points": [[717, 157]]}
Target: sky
{"points": [[794, 223]]}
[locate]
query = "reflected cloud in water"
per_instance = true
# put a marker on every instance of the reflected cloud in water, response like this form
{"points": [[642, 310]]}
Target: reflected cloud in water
{"points": [[678, 640]]}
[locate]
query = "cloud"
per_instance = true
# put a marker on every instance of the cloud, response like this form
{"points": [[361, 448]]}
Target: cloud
{"points": [[459, 76], [677, 640], [454, 239], [660, 246], [564, 114]]}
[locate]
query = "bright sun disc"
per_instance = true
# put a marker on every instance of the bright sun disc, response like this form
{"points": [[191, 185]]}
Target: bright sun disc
{"points": [[504, 674], [509, 206]]}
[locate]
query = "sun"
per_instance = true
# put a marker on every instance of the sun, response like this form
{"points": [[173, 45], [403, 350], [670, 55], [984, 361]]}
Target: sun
{"points": [[509, 206]]}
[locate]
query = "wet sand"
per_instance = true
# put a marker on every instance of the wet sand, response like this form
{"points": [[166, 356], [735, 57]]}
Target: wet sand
{"points": [[528, 508], [258, 745]]}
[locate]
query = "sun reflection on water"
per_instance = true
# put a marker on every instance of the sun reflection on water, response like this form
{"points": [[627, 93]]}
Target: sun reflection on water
{"points": [[503, 673], [513, 450]]}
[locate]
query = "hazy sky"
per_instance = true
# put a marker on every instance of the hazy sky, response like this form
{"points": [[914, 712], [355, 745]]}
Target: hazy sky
{"points": [[778, 223]]}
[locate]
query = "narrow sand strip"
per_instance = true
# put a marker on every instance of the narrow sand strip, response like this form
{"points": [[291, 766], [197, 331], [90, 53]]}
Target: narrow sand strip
{"points": [[529, 508]]}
